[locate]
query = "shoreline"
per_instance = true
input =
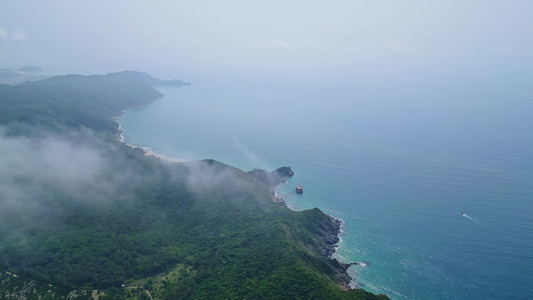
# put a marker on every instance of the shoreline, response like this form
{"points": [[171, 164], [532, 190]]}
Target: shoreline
{"points": [[119, 136], [147, 151], [332, 240], [332, 232]]}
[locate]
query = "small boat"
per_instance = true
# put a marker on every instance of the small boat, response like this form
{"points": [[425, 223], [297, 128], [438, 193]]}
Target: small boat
{"points": [[461, 213]]}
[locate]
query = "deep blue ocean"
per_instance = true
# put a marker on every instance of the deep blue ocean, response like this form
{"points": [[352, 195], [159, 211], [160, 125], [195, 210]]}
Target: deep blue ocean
{"points": [[396, 161]]}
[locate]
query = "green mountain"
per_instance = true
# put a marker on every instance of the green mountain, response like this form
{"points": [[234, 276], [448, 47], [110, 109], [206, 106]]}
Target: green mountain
{"points": [[80, 211], [14, 76], [149, 79], [31, 69]]}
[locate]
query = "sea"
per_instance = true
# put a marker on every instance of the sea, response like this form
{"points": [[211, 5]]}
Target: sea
{"points": [[434, 181]]}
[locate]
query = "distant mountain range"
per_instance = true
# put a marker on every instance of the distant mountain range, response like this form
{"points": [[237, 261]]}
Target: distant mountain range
{"points": [[26, 69], [150, 80], [16, 76], [31, 73], [31, 69]]}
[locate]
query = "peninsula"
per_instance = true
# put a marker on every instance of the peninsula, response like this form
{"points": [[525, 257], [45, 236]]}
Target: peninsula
{"points": [[84, 216]]}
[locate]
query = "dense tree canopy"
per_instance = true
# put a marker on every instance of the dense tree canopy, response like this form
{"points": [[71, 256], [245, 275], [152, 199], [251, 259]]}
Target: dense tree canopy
{"points": [[89, 212]]}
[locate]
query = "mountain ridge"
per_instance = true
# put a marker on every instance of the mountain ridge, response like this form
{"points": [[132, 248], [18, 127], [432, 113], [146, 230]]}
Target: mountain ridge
{"points": [[84, 211]]}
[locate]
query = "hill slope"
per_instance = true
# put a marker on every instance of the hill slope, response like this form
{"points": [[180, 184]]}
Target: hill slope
{"points": [[80, 210]]}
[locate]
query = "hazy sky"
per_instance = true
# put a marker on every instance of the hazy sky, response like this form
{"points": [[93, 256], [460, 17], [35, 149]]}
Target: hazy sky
{"points": [[294, 38]]}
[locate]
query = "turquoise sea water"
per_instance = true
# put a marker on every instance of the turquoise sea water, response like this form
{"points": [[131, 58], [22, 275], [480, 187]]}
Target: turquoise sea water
{"points": [[395, 161]]}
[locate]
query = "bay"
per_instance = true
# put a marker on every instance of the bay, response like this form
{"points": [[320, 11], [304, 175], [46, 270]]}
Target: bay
{"points": [[395, 160]]}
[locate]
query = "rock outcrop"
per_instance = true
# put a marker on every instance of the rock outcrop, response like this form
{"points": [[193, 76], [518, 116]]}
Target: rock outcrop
{"points": [[273, 178]]}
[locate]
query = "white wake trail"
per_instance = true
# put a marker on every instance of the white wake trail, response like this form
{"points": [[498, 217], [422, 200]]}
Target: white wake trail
{"points": [[468, 217]]}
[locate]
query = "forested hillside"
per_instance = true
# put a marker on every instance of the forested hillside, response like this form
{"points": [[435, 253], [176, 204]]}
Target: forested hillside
{"points": [[81, 211]]}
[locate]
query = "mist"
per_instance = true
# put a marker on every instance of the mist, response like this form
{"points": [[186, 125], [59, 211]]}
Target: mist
{"points": [[46, 173], [408, 40], [75, 168]]}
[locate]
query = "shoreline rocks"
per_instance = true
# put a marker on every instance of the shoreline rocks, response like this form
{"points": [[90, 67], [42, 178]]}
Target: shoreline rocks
{"points": [[331, 229], [331, 239]]}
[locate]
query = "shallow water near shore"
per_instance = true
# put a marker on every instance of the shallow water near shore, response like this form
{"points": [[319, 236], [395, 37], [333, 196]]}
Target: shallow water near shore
{"points": [[395, 161]]}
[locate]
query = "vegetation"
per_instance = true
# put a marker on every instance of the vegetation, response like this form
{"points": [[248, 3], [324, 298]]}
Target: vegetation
{"points": [[136, 225]]}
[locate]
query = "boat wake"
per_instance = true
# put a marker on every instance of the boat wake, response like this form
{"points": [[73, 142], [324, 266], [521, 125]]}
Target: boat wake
{"points": [[468, 217]]}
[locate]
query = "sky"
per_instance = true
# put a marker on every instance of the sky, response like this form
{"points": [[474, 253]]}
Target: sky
{"points": [[406, 39]]}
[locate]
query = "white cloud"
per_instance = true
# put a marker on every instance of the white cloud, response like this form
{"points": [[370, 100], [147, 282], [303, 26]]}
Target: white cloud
{"points": [[324, 48], [77, 164], [204, 176], [18, 36], [198, 43], [502, 50], [3, 34], [399, 47], [15, 35], [273, 44]]}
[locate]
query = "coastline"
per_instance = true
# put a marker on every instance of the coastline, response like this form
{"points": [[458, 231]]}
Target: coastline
{"points": [[286, 246], [331, 233], [119, 136], [148, 151], [331, 238]]}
